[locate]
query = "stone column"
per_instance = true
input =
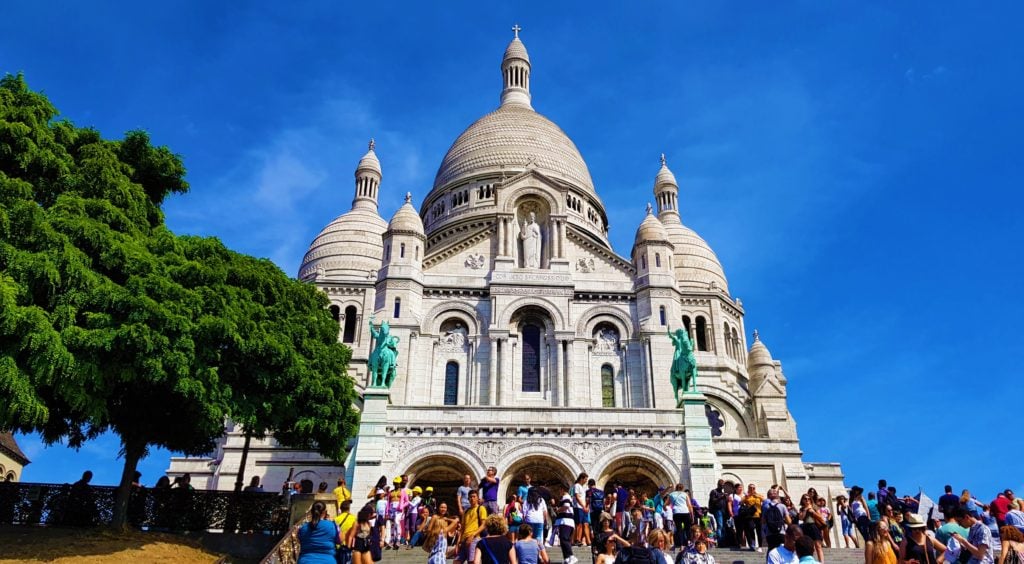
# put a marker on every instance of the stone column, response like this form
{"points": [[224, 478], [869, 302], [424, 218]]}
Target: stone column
{"points": [[628, 402], [500, 229], [492, 375], [408, 366], [506, 391], [556, 362], [561, 239], [651, 370], [471, 370], [567, 377]]}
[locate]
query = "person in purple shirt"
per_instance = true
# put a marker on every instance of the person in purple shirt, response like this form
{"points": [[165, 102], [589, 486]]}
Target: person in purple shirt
{"points": [[489, 491], [621, 497]]}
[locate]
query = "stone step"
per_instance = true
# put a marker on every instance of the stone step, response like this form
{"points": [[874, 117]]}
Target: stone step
{"points": [[722, 556]]}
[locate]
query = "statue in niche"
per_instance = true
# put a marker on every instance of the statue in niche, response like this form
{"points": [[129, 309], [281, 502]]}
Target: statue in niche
{"points": [[607, 341], [531, 238], [454, 339]]}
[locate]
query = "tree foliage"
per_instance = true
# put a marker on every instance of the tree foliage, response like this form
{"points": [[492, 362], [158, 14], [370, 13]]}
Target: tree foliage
{"points": [[108, 321]]}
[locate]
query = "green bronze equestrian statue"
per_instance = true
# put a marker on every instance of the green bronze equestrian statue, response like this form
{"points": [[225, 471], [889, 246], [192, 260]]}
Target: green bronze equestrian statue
{"points": [[384, 358], [684, 363]]}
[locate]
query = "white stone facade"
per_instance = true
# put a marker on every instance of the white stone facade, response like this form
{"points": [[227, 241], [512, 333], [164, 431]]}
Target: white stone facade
{"points": [[475, 322]]}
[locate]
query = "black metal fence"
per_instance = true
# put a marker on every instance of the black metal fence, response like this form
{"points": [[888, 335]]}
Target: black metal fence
{"points": [[165, 509]]}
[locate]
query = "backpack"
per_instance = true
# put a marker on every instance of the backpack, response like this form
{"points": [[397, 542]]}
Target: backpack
{"points": [[774, 519], [635, 555], [596, 500], [715, 500]]}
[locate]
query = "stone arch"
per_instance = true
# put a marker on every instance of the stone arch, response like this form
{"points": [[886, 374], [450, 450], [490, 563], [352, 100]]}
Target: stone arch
{"points": [[441, 471], [643, 459], [439, 313], [453, 449], [590, 318], [554, 463], [552, 310], [513, 198]]}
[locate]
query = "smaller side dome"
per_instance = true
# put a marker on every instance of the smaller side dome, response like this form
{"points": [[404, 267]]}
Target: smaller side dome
{"points": [[651, 230], [759, 354], [406, 219]]}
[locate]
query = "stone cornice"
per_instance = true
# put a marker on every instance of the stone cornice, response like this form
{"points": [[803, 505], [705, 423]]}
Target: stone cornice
{"points": [[603, 252]]}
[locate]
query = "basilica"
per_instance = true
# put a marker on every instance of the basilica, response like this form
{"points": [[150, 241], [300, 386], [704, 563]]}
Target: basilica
{"points": [[525, 341]]}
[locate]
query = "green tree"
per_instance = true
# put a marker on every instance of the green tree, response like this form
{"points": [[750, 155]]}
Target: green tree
{"points": [[276, 347], [108, 321]]}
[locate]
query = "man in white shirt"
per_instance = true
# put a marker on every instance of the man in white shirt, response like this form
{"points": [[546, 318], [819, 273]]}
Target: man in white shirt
{"points": [[786, 552]]}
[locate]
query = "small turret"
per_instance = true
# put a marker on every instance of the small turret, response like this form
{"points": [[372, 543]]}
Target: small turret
{"points": [[368, 177], [515, 71]]}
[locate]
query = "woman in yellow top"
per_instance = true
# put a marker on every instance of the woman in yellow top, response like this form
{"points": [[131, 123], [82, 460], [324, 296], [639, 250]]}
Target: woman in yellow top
{"points": [[883, 551], [748, 524], [345, 521]]}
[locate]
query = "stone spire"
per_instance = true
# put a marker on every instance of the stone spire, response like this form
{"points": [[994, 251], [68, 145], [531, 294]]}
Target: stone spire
{"points": [[368, 176], [515, 72]]}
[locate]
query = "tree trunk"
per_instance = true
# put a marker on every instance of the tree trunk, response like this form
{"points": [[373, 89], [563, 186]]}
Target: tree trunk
{"points": [[241, 466], [132, 454]]}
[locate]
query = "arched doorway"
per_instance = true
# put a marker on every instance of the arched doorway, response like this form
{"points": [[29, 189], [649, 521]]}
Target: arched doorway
{"points": [[637, 473], [543, 471], [442, 472]]}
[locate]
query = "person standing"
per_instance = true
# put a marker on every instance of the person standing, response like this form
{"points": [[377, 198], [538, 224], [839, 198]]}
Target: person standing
{"points": [[472, 523], [785, 553], [580, 508], [489, 491], [435, 540], [717, 500], [775, 519], [979, 538], [1001, 505], [565, 524], [524, 489], [750, 517], [948, 502], [318, 537], [682, 516], [529, 550], [462, 494], [341, 493], [917, 545]]}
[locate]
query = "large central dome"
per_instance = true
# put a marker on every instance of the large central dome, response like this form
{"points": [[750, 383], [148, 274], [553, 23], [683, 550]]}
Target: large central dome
{"points": [[506, 140]]}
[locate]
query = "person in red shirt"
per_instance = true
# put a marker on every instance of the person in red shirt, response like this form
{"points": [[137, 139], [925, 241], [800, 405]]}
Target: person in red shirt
{"points": [[1001, 505]]}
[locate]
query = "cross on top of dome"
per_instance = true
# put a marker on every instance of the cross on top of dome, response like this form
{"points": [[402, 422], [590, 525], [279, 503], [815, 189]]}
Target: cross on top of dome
{"points": [[664, 161], [372, 143], [516, 29]]}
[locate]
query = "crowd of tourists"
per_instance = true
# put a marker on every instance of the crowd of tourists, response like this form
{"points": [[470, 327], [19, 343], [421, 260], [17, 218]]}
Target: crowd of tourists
{"points": [[666, 526]]}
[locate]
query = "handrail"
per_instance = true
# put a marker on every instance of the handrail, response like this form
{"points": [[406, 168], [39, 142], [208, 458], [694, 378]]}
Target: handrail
{"points": [[286, 551]]}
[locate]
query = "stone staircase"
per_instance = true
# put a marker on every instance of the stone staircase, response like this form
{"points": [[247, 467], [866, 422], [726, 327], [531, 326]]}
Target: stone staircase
{"points": [[722, 556]]}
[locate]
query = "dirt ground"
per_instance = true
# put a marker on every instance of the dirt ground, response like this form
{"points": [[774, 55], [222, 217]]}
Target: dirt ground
{"points": [[52, 544]]}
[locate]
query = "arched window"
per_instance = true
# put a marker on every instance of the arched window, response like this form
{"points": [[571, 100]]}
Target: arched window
{"points": [[736, 343], [398, 308], [686, 324], [657, 260], [729, 345], [661, 314], [702, 334], [531, 358], [607, 386], [348, 335], [643, 262], [401, 250], [416, 253], [335, 313], [451, 383], [387, 252]]}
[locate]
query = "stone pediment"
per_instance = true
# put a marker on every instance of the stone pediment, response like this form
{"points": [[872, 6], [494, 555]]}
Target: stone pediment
{"points": [[458, 239], [599, 252]]}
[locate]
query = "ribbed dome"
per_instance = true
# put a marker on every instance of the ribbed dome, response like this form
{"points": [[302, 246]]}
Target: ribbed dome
{"points": [[650, 230], [665, 175], [349, 247], [759, 355], [696, 264], [516, 50], [369, 161], [406, 218], [506, 139]]}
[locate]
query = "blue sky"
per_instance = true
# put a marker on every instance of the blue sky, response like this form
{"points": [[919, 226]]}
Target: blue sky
{"points": [[856, 166]]}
